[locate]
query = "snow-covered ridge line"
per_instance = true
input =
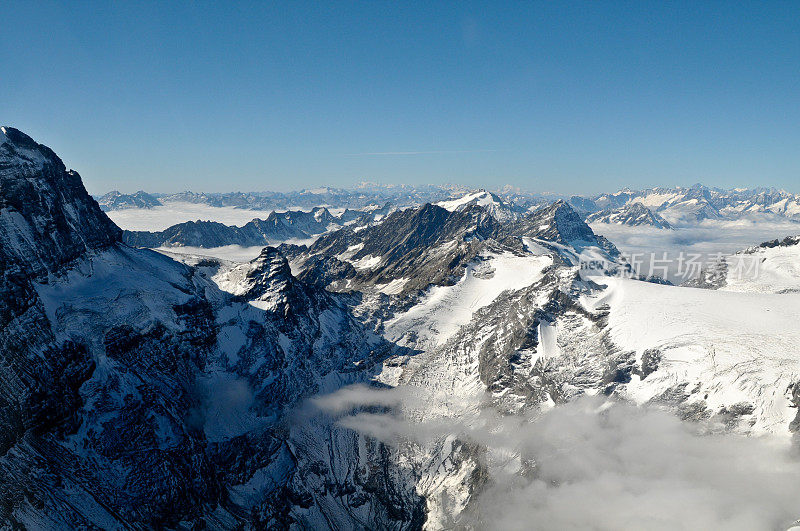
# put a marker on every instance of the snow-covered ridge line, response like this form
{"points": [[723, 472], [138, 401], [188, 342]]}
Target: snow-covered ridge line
{"points": [[686, 206]]}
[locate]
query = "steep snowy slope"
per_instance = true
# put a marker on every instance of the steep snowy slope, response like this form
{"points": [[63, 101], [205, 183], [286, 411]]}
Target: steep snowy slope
{"points": [[444, 309], [771, 267]]}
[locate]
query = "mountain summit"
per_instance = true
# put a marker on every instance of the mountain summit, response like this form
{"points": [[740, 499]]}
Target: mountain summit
{"points": [[46, 216]]}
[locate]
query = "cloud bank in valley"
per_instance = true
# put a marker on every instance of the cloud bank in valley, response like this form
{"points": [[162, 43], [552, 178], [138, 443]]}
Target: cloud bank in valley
{"points": [[596, 464], [708, 237]]}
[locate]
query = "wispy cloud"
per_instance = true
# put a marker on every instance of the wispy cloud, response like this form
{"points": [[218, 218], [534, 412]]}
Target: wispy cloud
{"points": [[403, 153]]}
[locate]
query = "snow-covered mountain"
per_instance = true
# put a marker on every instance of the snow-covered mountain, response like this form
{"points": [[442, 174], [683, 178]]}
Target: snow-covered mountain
{"points": [[143, 392], [687, 206], [632, 214], [497, 208], [678, 207], [116, 200], [360, 197]]}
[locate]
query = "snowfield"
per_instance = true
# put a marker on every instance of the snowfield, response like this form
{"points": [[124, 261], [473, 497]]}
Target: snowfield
{"points": [[720, 348], [765, 270]]}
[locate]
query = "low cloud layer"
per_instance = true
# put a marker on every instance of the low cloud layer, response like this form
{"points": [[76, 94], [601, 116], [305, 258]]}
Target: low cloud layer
{"points": [[708, 238], [600, 465]]}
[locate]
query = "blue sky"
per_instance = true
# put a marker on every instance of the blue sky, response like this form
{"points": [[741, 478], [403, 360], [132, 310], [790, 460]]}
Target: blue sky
{"points": [[568, 97]]}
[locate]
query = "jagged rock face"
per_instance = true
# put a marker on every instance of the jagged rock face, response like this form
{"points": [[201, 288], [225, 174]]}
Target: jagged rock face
{"points": [[713, 276], [47, 220], [270, 274], [788, 241], [406, 231], [402, 235], [557, 222], [427, 245], [322, 271], [47, 217]]}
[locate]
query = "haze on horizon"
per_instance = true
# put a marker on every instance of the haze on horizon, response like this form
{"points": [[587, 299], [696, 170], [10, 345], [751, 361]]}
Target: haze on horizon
{"points": [[579, 98]]}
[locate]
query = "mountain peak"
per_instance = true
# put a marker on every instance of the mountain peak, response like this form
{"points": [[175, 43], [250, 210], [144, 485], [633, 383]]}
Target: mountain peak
{"points": [[557, 222], [270, 285], [489, 201], [46, 215], [14, 144], [13, 135]]}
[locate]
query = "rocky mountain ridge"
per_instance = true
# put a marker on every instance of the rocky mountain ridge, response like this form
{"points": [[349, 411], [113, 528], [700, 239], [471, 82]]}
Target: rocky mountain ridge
{"points": [[632, 214], [116, 200], [277, 227]]}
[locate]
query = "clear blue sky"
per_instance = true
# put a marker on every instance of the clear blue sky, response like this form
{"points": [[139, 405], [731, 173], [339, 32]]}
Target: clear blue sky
{"points": [[548, 96]]}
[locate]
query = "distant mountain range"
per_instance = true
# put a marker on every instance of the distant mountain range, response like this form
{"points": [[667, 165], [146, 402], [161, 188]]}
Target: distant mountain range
{"points": [[660, 208], [634, 214], [115, 200], [359, 197], [276, 228], [667, 207], [687, 206]]}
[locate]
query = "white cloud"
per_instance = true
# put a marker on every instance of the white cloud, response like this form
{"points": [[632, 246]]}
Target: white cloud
{"points": [[708, 239], [601, 465]]}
